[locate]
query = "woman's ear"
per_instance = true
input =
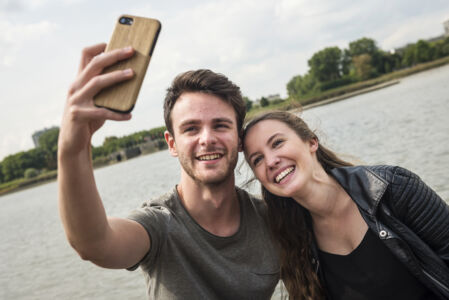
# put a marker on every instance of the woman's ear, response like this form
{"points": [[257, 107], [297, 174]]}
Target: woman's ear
{"points": [[313, 144]]}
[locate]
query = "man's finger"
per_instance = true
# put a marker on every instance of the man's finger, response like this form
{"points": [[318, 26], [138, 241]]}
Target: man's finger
{"points": [[97, 83], [99, 113], [88, 53], [99, 62]]}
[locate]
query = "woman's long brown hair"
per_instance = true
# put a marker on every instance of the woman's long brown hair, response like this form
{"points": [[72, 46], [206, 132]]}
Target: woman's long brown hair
{"points": [[291, 223]]}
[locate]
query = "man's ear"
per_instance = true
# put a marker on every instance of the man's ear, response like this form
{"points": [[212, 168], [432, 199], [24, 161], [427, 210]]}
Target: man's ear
{"points": [[240, 147], [171, 143]]}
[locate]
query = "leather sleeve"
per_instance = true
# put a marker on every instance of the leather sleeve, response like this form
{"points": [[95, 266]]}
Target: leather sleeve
{"points": [[422, 210]]}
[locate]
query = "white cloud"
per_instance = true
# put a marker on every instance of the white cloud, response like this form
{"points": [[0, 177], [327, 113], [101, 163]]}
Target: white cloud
{"points": [[419, 27], [15, 36], [20, 33]]}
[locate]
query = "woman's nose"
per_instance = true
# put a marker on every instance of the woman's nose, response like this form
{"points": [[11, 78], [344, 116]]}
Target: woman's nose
{"points": [[272, 161]]}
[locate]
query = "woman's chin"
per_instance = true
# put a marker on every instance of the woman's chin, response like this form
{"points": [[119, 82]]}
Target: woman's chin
{"points": [[281, 192], [286, 189]]}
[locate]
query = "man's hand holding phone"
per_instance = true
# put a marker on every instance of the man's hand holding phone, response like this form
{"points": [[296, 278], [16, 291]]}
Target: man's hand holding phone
{"points": [[81, 117]]}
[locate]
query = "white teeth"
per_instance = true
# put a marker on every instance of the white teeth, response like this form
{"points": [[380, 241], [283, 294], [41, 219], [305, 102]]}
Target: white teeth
{"points": [[283, 174], [209, 157]]}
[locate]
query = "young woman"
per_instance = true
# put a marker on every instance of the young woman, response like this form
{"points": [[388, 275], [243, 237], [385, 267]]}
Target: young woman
{"points": [[347, 232]]}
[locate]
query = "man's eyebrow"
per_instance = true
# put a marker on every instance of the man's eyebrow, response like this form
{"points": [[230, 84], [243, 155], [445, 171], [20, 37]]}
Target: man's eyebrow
{"points": [[225, 120], [189, 122]]}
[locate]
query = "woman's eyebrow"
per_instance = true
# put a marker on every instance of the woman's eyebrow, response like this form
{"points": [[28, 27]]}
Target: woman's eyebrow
{"points": [[272, 137], [267, 143]]}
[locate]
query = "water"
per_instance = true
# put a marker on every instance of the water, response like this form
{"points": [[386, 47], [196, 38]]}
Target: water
{"points": [[405, 124]]}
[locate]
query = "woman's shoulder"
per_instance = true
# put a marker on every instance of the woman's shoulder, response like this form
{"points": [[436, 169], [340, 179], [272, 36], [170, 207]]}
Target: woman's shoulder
{"points": [[393, 174]]}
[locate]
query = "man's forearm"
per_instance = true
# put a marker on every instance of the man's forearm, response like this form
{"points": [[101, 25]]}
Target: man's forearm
{"points": [[80, 206]]}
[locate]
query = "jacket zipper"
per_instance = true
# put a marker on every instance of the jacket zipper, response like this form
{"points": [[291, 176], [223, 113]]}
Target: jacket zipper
{"points": [[445, 288]]}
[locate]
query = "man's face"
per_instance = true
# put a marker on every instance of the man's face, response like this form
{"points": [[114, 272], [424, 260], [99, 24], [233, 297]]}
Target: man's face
{"points": [[205, 137]]}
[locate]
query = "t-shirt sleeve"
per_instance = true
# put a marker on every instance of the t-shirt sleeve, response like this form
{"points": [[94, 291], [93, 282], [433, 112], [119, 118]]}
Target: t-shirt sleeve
{"points": [[155, 219]]}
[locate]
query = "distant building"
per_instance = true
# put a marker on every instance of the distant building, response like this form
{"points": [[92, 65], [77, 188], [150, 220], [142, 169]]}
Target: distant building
{"points": [[446, 28], [38, 134], [269, 98], [274, 97]]}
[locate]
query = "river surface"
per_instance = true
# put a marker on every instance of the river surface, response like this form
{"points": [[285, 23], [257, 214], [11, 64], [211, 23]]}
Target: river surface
{"points": [[405, 124]]}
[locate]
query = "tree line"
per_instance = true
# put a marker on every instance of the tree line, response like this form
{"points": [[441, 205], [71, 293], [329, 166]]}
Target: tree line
{"points": [[333, 67], [31, 163]]}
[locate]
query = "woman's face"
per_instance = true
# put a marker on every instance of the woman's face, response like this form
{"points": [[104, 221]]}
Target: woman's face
{"points": [[280, 159]]}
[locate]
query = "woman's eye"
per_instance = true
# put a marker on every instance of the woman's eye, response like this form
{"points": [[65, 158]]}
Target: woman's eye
{"points": [[277, 143], [257, 160]]}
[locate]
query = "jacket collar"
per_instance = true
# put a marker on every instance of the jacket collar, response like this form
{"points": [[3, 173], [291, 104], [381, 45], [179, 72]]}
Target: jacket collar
{"points": [[364, 186]]}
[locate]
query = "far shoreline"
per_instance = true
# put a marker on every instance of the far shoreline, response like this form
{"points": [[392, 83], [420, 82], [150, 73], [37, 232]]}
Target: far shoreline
{"points": [[384, 81]]}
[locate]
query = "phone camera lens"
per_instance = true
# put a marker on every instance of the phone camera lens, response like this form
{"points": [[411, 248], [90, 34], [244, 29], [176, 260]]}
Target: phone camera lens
{"points": [[125, 21]]}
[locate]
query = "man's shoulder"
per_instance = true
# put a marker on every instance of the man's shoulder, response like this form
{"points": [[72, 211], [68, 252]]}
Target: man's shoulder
{"points": [[167, 199], [254, 202]]}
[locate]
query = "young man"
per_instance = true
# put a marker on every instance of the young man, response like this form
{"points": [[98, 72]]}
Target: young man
{"points": [[206, 239]]}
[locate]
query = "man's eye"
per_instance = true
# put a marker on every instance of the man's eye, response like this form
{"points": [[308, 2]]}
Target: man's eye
{"points": [[222, 126], [187, 129]]}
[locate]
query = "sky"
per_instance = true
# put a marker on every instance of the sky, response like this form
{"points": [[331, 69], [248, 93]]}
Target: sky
{"points": [[259, 44]]}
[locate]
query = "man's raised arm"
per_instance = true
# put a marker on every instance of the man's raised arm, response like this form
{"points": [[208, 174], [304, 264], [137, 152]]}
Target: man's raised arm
{"points": [[107, 242]]}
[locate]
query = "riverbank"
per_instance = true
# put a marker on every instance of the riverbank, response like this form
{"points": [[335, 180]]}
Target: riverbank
{"points": [[24, 183], [350, 90], [318, 100], [351, 94]]}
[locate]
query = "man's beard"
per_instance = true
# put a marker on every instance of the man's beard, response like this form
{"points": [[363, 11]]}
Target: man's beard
{"points": [[187, 164]]}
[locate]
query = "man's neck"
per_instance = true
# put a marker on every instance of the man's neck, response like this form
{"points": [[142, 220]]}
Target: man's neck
{"points": [[215, 207]]}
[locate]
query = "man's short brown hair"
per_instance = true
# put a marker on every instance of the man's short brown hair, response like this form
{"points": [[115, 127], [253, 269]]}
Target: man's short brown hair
{"points": [[204, 81]]}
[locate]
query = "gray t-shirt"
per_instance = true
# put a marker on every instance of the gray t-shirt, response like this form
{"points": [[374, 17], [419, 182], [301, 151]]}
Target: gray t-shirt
{"points": [[187, 262]]}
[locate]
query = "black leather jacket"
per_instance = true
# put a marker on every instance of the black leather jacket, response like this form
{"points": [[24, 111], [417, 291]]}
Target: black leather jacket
{"points": [[408, 216]]}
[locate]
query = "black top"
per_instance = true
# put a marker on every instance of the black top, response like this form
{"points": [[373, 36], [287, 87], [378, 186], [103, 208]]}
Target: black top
{"points": [[370, 271]]}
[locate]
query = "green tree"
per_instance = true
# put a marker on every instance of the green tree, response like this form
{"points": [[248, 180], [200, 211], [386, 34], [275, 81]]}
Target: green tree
{"points": [[391, 61], [98, 152], [2, 177], [31, 173], [48, 141], [248, 103], [363, 46], [368, 46], [363, 67], [346, 62], [14, 165], [264, 102], [110, 144], [157, 132], [325, 64], [423, 52], [408, 58], [300, 86], [441, 48]]}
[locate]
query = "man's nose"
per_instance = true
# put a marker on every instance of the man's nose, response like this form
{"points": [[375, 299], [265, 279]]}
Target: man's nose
{"points": [[207, 137]]}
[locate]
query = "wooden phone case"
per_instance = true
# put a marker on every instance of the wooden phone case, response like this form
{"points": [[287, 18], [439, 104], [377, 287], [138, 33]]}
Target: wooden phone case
{"points": [[142, 36]]}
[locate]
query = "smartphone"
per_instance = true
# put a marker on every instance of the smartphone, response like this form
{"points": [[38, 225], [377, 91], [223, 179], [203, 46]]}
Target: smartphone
{"points": [[140, 33]]}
